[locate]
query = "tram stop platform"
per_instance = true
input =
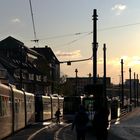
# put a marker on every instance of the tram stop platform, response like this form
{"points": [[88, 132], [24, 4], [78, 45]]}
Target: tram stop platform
{"points": [[127, 128], [51, 131]]}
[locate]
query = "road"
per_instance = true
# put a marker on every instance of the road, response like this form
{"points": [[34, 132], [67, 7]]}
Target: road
{"points": [[128, 128], [52, 132]]}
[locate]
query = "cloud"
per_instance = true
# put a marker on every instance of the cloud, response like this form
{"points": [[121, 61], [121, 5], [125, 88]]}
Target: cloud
{"points": [[15, 20], [125, 58], [128, 61], [73, 54], [114, 62], [119, 8], [135, 60]]}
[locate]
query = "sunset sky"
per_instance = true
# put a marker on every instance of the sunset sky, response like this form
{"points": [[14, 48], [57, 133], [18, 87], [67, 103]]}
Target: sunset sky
{"points": [[66, 26]]}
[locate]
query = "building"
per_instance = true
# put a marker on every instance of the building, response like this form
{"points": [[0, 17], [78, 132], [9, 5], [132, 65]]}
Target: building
{"points": [[25, 68], [52, 68], [133, 82], [77, 85]]}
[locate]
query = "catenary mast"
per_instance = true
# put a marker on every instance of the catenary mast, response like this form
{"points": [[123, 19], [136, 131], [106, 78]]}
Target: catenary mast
{"points": [[95, 46]]}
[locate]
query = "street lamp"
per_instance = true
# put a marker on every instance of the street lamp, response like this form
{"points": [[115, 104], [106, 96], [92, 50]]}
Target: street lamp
{"points": [[137, 90], [76, 71], [122, 82], [130, 86], [95, 46]]}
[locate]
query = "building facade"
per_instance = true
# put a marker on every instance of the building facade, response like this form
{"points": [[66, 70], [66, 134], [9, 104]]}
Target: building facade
{"points": [[52, 68], [77, 84], [25, 68]]}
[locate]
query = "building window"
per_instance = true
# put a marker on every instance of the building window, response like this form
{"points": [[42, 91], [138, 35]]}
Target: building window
{"points": [[16, 74], [31, 76], [3, 73], [38, 77], [45, 78], [23, 75]]}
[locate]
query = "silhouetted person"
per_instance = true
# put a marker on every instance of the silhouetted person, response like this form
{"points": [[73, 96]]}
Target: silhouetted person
{"points": [[57, 114], [101, 122], [80, 123]]}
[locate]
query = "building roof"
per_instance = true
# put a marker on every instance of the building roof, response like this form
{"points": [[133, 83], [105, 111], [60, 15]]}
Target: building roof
{"points": [[48, 53], [13, 63], [10, 43]]}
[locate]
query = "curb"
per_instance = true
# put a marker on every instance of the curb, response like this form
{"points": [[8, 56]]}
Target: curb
{"points": [[56, 136]]}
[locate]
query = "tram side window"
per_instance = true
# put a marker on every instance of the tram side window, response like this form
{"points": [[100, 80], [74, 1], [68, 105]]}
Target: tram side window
{"points": [[17, 106], [3, 105], [29, 106], [0, 106], [47, 105]]}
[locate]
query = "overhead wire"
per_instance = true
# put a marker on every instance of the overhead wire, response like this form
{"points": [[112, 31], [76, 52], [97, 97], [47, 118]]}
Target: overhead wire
{"points": [[65, 35], [75, 40], [117, 27], [103, 29], [78, 60], [87, 33]]}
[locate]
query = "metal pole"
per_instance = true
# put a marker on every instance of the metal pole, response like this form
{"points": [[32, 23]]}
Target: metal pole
{"points": [[137, 89], [104, 49], [130, 86], [122, 83], [95, 45], [76, 71]]}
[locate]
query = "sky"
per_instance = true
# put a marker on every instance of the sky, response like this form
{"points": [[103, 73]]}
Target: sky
{"points": [[66, 27]]}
